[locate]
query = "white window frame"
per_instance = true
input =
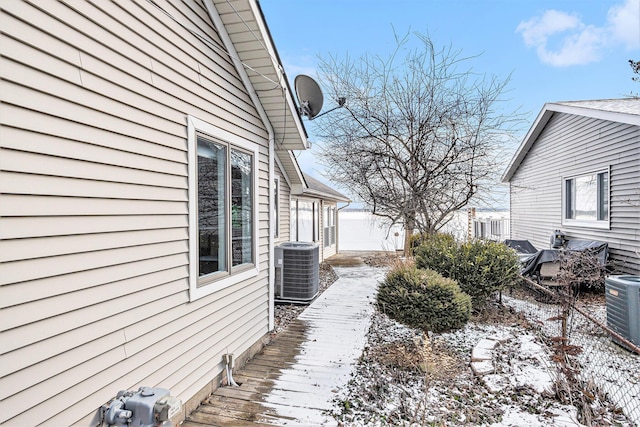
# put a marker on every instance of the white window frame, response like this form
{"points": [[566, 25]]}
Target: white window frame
{"points": [[198, 289], [306, 204], [316, 221], [329, 230], [586, 223], [293, 220]]}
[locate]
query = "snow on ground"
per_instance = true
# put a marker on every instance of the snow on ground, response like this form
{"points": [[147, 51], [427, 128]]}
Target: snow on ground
{"points": [[614, 371], [406, 379]]}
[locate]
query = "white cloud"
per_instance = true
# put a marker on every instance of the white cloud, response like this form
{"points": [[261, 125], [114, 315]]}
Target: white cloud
{"points": [[561, 39], [536, 31], [624, 23], [579, 48]]}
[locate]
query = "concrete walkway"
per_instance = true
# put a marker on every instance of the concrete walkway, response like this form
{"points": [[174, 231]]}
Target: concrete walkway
{"points": [[294, 380]]}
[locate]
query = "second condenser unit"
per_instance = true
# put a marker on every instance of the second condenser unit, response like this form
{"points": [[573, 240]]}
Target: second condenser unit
{"points": [[623, 307], [297, 271]]}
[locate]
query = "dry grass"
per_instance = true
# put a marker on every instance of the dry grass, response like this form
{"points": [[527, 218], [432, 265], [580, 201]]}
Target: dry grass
{"points": [[435, 361], [381, 259]]}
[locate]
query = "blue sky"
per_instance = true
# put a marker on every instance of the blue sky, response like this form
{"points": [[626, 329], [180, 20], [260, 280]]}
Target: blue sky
{"points": [[555, 50]]}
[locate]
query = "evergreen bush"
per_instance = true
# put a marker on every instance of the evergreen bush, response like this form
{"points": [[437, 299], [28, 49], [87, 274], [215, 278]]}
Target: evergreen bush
{"points": [[423, 299], [480, 267], [436, 252], [483, 268]]}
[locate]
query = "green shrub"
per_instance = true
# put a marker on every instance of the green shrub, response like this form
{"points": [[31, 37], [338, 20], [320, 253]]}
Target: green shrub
{"points": [[480, 267], [436, 252], [483, 268], [416, 240], [423, 299]]}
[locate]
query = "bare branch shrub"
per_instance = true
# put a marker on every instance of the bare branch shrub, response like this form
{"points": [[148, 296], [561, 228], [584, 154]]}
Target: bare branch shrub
{"points": [[581, 271]]}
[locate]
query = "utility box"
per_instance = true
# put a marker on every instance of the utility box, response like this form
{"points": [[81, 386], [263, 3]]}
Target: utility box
{"points": [[558, 239], [623, 307], [147, 407]]}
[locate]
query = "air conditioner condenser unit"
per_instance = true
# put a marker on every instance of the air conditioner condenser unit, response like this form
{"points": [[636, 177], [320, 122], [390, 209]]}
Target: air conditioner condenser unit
{"points": [[623, 307], [297, 272]]}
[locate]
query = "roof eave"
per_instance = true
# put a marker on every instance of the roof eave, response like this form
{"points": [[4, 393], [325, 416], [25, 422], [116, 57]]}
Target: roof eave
{"points": [[539, 124], [325, 196], [246, 27], [292, 108], [543, 118], [613, 116], [290, 168]]}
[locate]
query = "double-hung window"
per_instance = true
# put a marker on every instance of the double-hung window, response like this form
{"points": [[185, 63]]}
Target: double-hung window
{"points": [[329, 226], [222, 208], [586, 200]]}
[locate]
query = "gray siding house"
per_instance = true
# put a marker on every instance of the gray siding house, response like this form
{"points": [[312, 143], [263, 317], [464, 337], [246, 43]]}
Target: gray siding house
{"points": [[140, 146], [578, 170]]}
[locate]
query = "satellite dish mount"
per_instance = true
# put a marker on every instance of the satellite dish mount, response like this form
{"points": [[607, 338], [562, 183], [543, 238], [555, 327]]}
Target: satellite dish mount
{"points": [[310, 97]]}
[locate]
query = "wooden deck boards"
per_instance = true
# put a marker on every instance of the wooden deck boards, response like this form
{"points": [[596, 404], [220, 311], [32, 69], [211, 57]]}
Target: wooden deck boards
{"points": [[293, 380], [248, 404]]}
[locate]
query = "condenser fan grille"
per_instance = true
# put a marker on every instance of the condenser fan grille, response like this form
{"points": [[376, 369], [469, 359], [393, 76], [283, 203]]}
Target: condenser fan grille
{"points": [[299, 273]]}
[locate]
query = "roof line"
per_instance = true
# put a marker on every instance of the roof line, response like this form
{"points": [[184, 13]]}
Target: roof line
{"points": [[275, 57], [523, 149], [318, 188], [569, 107], [596, 113]]}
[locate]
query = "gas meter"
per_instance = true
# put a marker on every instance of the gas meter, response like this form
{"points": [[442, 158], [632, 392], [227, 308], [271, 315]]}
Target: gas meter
{"points": [[147, 407]]}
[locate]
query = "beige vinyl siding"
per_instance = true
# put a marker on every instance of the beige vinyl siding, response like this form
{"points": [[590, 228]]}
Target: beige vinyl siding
{"points": [[571, 145], [94, 207], [284, 214], [264, 211]]}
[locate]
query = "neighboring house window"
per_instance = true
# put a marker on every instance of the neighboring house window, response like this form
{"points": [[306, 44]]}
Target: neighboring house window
{"points": [[329, 223], [293, 220], [586, 200], [304, 221], [276, 207], [316, 221], [222, 208]]}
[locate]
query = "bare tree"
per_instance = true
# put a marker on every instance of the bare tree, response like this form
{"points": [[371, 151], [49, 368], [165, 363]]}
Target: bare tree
{"points": [[418, 138], [635, 67]]}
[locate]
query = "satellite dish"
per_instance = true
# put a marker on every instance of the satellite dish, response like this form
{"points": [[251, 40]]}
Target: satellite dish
{"points": [[309, 96]]}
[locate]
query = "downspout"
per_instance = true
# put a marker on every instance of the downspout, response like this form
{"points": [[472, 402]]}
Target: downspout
{"points": [[321, 239], [222, 32]]}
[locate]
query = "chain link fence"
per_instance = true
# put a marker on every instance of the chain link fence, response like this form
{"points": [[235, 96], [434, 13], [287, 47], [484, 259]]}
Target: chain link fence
{"points": [[592, 370]]}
